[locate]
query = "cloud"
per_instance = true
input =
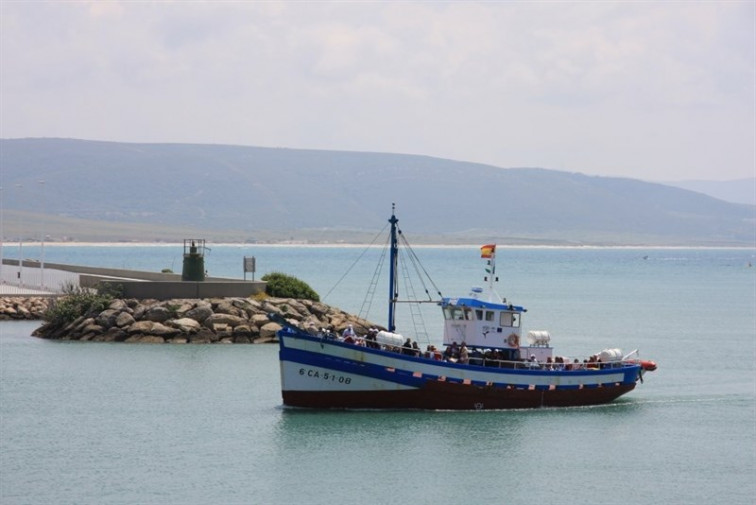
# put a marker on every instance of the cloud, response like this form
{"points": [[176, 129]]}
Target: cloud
{"points": [[650, 90]]}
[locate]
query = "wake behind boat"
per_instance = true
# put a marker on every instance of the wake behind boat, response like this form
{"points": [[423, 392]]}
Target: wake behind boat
{"points": [[485, 363]]}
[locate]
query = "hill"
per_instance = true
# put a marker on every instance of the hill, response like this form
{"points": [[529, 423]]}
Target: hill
{"points": [[736, 191], [166, 191]]}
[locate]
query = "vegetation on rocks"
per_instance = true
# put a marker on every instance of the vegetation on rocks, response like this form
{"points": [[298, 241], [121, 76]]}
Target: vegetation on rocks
{"points": [[76, 302], [285, 286]]}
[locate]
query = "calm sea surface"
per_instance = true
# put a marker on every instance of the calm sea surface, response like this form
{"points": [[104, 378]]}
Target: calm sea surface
{"points": [[93, 423]]}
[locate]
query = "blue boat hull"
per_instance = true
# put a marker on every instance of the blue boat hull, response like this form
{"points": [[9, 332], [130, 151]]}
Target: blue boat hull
{"points": [[318, 373]]}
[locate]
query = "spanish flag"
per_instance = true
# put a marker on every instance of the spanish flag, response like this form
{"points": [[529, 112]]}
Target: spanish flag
{"points": [[487, 251]]}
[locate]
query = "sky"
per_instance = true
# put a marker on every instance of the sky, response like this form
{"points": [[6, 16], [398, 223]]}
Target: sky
{"points": [[659, 91]]}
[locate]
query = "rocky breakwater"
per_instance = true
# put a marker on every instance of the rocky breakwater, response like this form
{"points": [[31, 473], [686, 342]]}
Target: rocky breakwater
{"points": [[23, 307], [223, 320]]}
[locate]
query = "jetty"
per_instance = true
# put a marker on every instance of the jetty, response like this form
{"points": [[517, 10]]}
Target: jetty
{"points": [[162, 307]]}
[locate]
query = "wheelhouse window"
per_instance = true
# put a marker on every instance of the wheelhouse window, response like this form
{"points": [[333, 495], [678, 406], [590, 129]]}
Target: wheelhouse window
{"points": [[510, 319], [455, 313], [459, 313]]}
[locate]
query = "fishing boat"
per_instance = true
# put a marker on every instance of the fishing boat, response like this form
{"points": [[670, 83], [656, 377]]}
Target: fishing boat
{"points": [[487, 361]]}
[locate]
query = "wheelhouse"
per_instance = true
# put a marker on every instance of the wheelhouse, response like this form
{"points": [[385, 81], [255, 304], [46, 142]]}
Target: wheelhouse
{"points": [[481, 324]]}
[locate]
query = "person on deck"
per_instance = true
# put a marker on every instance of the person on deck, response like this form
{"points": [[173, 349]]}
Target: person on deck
{"points": [[533, 363], [348, 334], [464, 357], [407, 348], [415, 349]]}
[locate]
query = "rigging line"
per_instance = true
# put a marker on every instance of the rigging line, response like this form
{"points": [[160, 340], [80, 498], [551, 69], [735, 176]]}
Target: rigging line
{"points": [[413, 260], [418, 322], [379, 234], [419, 264], [364, 312], [411, 257]]}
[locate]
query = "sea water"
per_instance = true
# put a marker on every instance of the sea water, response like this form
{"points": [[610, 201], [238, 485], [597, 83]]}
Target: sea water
{"points": [[92, 423]]}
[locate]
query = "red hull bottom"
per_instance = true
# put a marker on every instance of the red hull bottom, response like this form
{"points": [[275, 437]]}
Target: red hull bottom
{"points": [[452, 396]]}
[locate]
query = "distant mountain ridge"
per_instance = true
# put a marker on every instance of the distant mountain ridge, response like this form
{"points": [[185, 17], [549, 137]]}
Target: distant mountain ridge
{"points": [[735, 191], [289, 193]]}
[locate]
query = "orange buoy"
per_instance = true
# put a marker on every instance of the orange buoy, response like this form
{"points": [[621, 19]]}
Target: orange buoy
{"points": [[648, 365]]}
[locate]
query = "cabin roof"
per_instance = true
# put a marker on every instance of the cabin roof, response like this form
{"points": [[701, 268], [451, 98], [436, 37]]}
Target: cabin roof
{"points": [[481, 304]]}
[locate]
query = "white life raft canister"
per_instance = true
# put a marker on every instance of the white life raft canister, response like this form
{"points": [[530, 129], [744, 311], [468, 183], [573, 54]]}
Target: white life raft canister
{"points": [[388, 338], [539, 337], [609, 355]]}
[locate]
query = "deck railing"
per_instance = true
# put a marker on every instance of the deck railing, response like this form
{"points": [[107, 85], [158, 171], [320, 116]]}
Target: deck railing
{"points": [[478, 360]]}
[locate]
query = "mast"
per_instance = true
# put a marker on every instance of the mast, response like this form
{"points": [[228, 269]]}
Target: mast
{"points": [[393, 263], [491, 271], [488, 252]]}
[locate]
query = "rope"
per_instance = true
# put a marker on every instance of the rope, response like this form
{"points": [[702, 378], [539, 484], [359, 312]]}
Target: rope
{"points": [[379, 234]]}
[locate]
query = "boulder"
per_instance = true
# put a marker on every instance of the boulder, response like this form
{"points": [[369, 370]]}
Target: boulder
{"points": [[269, 307], [145, 339], [200, 312], [228, 319], [243, 304], [185, 325], [114, 334], [269, 330], [152, 339], [228, 307], [158, 313], [297, 308], [317, 308], [104, 337], [140, 310], [92, 328], [243, 330], [119, 305], [259, 320], [140, 327], [266, 340], [252, 307], [338, 321], [204, 336], [124, 319], [184, 307], [79, 324], [164, 331]]}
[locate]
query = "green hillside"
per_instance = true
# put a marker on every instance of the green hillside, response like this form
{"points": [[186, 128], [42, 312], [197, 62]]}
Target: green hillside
{"points": [[119, 191]]}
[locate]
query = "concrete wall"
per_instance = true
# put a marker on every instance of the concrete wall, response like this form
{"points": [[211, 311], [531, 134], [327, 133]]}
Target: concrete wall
{"points": [[108, 272], [165, 290], [160, 286]]}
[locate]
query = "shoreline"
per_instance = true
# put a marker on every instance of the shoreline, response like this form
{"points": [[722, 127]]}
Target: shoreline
{"points": [[14, 245]]}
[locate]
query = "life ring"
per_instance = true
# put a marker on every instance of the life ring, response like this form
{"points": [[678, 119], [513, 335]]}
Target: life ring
{"points": [[513, 340]]}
